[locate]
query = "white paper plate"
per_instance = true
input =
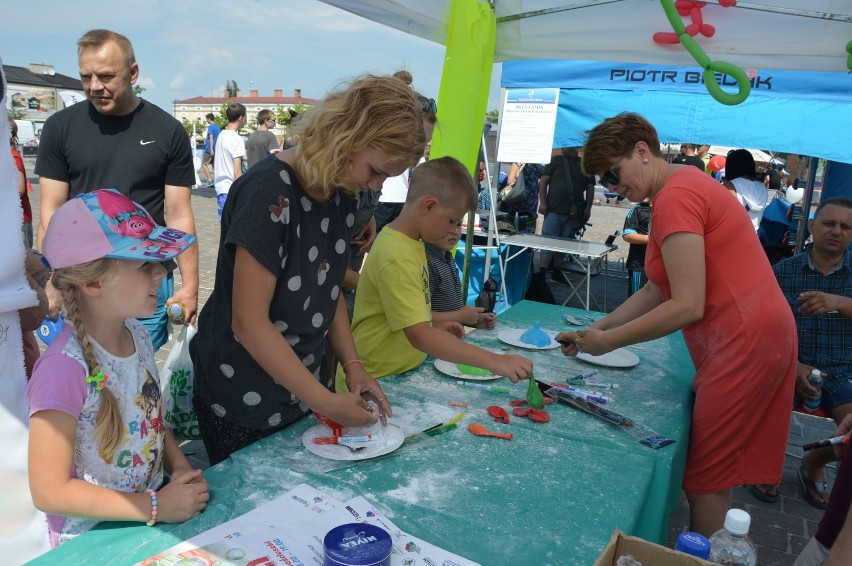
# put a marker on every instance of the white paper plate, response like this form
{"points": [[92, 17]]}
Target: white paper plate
{"points": [[513, 336], [451, 369], [620, 358], [392, 438]]}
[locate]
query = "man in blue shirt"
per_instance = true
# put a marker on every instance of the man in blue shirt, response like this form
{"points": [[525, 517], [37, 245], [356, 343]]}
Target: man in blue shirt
{"points": [[209, 147], [818, 286]]}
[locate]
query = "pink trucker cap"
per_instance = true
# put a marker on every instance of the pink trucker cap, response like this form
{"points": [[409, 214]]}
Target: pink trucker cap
{"points": [[106, 223]]}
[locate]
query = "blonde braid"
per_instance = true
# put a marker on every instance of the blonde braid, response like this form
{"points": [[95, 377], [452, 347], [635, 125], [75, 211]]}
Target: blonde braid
{"points": [[109, 426]]}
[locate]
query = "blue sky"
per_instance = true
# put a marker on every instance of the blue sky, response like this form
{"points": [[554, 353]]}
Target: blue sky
{"points": [[189, 48]]}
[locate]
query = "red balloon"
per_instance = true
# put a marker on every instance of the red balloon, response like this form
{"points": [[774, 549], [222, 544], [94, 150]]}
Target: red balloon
{"points": [[717, 163]]}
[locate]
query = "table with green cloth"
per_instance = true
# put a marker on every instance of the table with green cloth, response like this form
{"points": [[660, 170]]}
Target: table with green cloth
{"points": [[552, 495]]}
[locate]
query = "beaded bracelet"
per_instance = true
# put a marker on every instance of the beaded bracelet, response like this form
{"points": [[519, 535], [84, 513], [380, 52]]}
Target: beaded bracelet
{"points": [[153, 518], [350, 362]]}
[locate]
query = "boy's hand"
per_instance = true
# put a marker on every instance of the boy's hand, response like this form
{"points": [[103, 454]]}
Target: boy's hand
{"points": [[512, 366], [488, 320], [183, 498], [452, 327], [470, 315]]}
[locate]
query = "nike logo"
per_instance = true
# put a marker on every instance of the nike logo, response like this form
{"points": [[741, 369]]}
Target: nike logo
{"points": [[146, 143]]}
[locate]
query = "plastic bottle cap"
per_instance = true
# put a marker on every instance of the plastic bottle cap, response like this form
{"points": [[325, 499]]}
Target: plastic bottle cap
{"points": [[816, 373], [737, 521], [694, 544]]}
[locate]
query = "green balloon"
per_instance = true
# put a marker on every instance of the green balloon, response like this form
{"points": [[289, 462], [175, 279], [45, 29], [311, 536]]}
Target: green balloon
{"points": [[716, 91]]}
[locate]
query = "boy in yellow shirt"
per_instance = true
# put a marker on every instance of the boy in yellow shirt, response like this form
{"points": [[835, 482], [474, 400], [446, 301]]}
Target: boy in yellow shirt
{"points": [[392, 321]]}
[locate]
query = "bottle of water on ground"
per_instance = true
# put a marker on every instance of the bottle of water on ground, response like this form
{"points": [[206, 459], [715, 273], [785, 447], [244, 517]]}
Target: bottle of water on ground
{"points": [[730, 545], [815, 379]]}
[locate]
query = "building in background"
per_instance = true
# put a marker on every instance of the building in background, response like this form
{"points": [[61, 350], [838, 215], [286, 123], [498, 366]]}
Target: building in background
{"points": [[194, 109], [36, 93]]}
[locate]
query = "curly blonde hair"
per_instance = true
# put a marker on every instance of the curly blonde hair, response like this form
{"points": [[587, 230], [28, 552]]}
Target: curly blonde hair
{"points": [[615, 137], [109, 426], [376, 112]]}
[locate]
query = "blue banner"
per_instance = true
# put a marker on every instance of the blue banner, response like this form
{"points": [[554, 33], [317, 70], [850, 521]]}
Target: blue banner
{"points": [[787, 111]]}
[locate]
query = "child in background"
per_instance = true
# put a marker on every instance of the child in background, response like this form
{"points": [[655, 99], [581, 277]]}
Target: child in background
{"points": [[637, 226], [445, 288], [98, 444], [392, 325]]}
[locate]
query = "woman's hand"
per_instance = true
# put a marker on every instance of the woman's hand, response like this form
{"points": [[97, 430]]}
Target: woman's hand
{"points": [[183, 498], [593, 341], [568, 343]]}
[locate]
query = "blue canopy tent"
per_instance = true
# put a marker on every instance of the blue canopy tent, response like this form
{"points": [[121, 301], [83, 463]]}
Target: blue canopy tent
{"points": [[787, 111]]}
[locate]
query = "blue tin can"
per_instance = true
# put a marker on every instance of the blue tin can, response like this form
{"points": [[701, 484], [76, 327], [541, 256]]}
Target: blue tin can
{"points": [[357, 544]]}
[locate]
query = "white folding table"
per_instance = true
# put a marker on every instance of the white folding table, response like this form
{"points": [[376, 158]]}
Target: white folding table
{"points": [[594, 252]]}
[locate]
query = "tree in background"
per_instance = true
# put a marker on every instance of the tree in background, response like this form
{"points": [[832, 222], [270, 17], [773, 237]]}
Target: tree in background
{"points": [[232, 89], [137, 90], [492, 115]]}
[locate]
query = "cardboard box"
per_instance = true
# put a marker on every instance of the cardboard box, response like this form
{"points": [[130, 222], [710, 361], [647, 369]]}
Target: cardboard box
{"points": [[648, 553]]}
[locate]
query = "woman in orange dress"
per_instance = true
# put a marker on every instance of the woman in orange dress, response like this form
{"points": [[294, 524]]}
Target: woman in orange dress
{"points": [[709, 277]]}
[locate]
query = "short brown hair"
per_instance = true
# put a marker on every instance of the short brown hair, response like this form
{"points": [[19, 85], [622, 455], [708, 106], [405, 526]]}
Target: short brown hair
{"points": [[615, 137], [98, 37], [445, 178], [264, 115], [235, 111]]}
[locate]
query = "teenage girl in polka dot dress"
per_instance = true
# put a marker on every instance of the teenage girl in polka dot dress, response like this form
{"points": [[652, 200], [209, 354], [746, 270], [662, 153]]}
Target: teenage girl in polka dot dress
{"points": [[277, 305]]}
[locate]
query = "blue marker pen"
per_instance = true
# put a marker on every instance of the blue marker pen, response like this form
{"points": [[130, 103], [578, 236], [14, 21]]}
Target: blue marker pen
{"points": [[589, 373], [599, 384]]}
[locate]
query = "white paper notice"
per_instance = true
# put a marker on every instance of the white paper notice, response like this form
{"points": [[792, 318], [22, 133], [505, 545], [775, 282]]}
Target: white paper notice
{"points": [[527, 125], [290, 530]]}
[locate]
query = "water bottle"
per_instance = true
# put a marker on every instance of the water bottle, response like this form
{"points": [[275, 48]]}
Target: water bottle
{"points": [[815, 379], [730, 545], [694, 544], [177, 313]]}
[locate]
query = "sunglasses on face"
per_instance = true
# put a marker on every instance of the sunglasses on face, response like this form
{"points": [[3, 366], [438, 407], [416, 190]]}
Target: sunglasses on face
{"points": [[429, 105], [610, 176]]}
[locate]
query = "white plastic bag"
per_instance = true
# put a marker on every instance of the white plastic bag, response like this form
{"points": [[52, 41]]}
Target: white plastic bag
{"points": [[176, 388]]}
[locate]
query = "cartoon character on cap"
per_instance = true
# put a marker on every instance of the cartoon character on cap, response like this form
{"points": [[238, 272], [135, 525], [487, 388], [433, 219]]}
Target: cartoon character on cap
{"points": [[129, 219]]}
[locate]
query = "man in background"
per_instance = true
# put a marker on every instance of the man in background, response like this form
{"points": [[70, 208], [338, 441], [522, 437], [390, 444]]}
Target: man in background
{"points": [[565, 197], [230, 153], [687, 156], [261, 142], [209, 147], [117, 140]]}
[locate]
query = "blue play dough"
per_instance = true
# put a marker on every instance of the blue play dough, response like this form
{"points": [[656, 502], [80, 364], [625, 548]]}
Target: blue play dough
{"points": [[535, 336]]}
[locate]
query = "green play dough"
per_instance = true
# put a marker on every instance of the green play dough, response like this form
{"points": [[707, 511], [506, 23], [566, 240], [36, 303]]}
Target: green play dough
{"points": [[471, 370]]}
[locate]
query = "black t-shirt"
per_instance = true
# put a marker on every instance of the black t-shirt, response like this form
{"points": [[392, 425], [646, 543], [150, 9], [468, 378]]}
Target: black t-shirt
{"points": [[566, 193], [637, 221], [304, 243], [689, 160], [138, 154]]}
